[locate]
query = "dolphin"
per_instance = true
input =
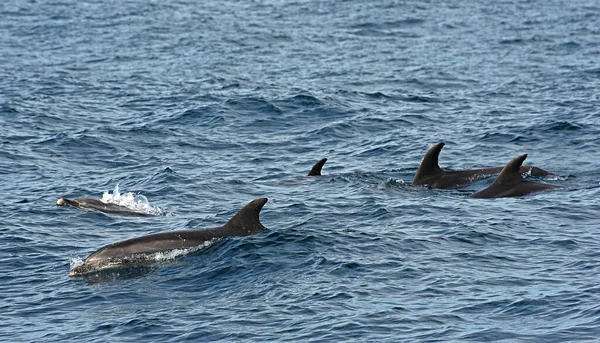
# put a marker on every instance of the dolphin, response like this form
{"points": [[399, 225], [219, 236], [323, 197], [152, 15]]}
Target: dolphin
{"points": [[316, 169], [135, 251], [430, 173], [90, 204], [510, 183]]}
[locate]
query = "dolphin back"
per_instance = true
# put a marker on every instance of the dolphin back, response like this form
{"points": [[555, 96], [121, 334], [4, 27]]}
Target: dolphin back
{"points": [[90, 204], [510, 182], [128, 252]]}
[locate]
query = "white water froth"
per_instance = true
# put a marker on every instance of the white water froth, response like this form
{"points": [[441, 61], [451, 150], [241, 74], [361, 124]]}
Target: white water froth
{"points": [[136, 202], [169, 255], [552, 177], [76, 262]]}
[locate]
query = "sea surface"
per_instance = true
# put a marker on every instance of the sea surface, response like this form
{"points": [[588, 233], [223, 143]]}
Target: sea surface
{"points": [[203, 106]]}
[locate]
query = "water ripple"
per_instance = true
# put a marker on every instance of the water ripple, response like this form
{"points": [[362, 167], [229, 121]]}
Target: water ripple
{"points": [[204, 106]]}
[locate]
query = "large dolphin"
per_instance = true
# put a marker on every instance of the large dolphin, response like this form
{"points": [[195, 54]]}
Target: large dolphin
{"points": [[430, 173], [90, 204], [510, 183], [316, 169], [135, 251]]}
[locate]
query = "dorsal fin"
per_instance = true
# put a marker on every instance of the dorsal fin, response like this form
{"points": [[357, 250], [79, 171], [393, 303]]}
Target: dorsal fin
{"points": [[512, 171], [429, 165], [316, 169], [247, 219]]}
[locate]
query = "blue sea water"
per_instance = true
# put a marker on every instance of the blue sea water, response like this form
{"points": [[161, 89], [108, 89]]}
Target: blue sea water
{"points": [[202, 106]]}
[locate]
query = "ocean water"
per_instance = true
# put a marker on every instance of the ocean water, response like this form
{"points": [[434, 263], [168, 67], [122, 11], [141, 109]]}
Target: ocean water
{"points": [[202, 106]]}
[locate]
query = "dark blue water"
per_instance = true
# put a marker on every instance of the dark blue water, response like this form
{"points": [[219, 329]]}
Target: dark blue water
{"points": [[202, 106]]}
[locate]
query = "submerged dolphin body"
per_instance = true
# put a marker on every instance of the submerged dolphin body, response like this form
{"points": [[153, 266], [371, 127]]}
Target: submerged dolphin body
{"points": [[90, 204], [510, 183], [135, 251], [430, 173], [316, 169]]}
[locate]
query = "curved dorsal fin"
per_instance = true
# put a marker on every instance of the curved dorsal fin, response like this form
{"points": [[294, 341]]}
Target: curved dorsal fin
{"points": [[247, 220], [512, 171], [316, 169], [429, 165]]}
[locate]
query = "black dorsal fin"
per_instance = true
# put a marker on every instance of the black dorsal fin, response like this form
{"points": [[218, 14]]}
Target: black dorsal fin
{"points": [[247, 220], [429, 165], [512, 171], [316, 169]]}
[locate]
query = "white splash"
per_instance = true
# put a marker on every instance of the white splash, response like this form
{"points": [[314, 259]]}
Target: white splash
{"points": [[76, 262], [136, 202], [553, 177], [173, 254]]}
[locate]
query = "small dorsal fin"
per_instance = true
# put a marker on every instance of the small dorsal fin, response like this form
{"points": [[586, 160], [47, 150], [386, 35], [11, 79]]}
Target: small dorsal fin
{"points": [[247, 219], [512, 171], [316, 169], [429, 165]]}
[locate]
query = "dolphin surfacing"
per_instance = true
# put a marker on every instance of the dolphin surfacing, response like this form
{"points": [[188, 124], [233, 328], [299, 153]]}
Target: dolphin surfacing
{"points": [[510, 183], [430, 173], [90, 204], [135, 251]]}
